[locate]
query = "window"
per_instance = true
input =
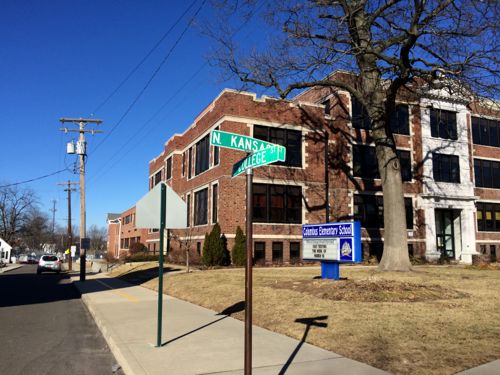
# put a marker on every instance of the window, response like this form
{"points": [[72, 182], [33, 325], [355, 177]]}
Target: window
{"points": [[190, 162], [486, 132], [443, 124], [202, 155], [157, 178], [277, 252], [327, 105], [487, 173], [183, 163], [369, 210], [198, 248], [360, 119], [365, 163], [277, 204], [215, 195], [259, 255], [294, 252], [188, 207], [291, 139], [488, 217], [201, 207], [445, 168], [169, 168], [399, 120], [216, 152]]}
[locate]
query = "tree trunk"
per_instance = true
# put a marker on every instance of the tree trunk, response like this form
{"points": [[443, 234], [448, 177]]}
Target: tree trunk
{"points": [[395, 256]]}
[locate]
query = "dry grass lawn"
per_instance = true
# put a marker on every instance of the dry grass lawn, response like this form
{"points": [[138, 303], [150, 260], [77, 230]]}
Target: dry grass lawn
{"points": [[435, 320]]}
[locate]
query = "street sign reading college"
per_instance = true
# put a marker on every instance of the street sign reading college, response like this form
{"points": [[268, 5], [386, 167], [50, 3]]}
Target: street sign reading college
{"points": [[259, 158], [339, 242]]}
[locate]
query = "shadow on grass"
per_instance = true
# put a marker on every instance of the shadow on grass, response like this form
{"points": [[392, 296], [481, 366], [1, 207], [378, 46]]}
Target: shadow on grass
{"points": [[227, 312], [308, 322], [142, 276]]}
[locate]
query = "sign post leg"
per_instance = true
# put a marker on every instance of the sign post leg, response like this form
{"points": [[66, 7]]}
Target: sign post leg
{"points": [[160, 266], [248, 276], [330, 270]]}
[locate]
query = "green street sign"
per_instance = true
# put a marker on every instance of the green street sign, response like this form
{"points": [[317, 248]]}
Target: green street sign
{"points": [[240, 142], [260, 158]]}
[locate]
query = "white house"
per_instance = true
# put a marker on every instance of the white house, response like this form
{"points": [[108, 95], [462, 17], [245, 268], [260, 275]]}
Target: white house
{"points": [[5, 250]]}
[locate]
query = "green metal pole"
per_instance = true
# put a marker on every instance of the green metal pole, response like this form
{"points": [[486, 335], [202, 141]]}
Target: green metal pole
{"points": [[160, 266]]}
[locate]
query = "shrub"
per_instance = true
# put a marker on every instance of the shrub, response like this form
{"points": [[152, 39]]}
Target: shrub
{"points": [[215, 248], [141, 257], [239, 248], [137, 247]]}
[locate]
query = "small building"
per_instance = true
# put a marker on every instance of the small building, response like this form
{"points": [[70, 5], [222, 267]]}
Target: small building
{"points": [[5, 251], [122, 233]]}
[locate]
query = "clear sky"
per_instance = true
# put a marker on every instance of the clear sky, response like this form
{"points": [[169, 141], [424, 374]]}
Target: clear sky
{"points": [[63, 59]]}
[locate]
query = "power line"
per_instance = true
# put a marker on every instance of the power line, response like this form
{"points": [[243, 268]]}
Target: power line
{"points": [[151, 78], [131, 73], [35, 179], [134, 136]]}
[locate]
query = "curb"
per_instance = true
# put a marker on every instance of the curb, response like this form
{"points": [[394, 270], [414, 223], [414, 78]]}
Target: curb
{"points": [[10, 268], [123, 357]]}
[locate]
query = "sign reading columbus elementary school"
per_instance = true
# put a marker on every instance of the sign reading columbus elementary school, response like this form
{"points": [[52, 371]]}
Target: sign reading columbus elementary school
{"points": [[339, 242]]}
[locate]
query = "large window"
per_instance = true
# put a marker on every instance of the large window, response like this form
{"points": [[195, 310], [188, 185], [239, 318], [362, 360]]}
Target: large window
{"points": [[443, 124], [215, 197], [445, 168], [201, 207], [202, 155], [183, 163], [190, 162], [277, 252], [360, 119], [487, 173], [169, 168], [216, 152], [277, 204], [188, 207], [488, 217], [291, 139], [369, 210], [259, 252], [157, 178], [365, 162], [486, 132], [399, 120]]}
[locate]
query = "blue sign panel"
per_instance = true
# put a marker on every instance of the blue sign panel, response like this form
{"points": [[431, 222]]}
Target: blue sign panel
{"points": [[339, 242]]}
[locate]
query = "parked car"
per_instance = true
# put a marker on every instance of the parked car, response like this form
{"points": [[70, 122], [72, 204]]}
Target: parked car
{"points": [[49, 263]]}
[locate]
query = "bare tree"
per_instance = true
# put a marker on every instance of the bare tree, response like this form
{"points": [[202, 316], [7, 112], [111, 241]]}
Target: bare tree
{"points": [[388, 44], [36, 230], [15, 206], [184, 238], [98, 237]]}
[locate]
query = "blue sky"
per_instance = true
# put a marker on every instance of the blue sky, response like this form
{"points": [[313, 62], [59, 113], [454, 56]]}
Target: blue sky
{"points": [[63, 59]]}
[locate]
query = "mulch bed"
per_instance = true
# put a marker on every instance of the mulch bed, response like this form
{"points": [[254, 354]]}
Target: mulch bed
{"points": [[370, 290]]}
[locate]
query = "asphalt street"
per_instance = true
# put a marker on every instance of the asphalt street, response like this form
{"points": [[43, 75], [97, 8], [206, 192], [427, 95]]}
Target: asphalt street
{"points": [[46, 329]]}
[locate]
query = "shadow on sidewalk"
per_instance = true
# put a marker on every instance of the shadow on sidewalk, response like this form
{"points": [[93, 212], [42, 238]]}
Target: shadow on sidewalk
{"points": [[93, 285], [309, 322], [227, 312]]}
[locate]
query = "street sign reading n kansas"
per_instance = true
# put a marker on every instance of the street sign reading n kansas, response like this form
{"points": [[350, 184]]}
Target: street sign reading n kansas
{"points": [[240, 142]]}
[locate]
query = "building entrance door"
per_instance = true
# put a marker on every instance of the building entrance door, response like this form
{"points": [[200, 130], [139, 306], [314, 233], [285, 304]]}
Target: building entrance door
{"points": [[445, 233]]}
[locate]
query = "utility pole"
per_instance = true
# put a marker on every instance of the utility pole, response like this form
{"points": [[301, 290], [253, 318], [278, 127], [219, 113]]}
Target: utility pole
{"points": [[69, 189], [81, 150], [53, 210]]}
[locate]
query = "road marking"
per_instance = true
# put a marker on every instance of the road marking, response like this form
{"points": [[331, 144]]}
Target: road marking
{"points": [[121, 294]]}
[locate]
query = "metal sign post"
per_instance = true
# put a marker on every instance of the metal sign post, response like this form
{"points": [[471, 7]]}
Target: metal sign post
{"points": [[160, 265], [248, 277]]}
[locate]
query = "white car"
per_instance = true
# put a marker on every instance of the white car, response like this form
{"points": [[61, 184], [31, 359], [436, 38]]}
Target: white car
{"points": [[49, 263]]}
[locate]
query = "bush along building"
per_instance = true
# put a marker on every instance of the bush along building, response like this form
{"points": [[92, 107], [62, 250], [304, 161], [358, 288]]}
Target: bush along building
{"points": [[449, 155]]}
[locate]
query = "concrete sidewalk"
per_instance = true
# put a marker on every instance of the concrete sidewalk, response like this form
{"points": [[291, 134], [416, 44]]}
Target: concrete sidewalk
{"points": [[195, 340], [10, 267]]}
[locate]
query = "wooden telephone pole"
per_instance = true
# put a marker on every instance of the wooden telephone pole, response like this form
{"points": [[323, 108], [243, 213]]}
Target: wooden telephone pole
{"points": [[81, 150], [69, 189]]}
